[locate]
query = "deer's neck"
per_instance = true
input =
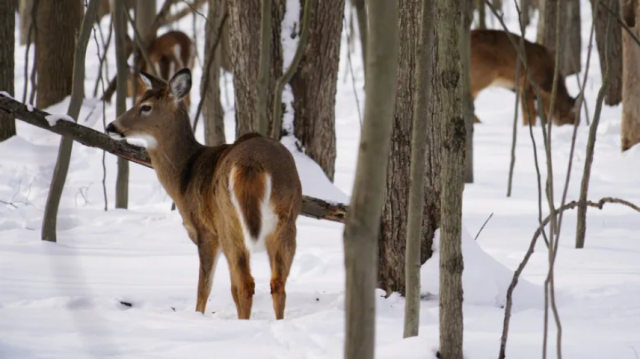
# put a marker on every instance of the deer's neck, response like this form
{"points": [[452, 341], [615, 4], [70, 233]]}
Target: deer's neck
{"points": [[171, 158]]}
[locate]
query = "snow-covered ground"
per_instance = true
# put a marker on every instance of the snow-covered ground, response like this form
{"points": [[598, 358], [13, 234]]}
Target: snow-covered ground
{"points": [[63, 300]]}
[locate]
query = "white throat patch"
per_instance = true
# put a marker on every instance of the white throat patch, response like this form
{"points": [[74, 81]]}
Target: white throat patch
{"points": [[142, 140]]}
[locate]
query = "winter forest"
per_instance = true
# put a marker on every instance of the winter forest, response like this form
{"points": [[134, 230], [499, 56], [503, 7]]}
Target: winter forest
{"points": [[349, 179]]}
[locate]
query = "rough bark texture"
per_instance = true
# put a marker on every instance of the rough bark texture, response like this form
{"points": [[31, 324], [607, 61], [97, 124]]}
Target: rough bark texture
{"points": [[361, 229], [244, 31], [314, 85], [614, 90], [66, 144], [570, 62], [212, 107], [393, 232], [311, 207], [630, 130], [449, 93], [25, 21], [546, 32], [55, 44], [7, 63], [418, 155], [120, 28], [468, 109]]}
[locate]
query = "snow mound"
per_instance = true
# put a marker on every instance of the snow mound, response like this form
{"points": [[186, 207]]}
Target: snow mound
{"points": [[484, 280]]}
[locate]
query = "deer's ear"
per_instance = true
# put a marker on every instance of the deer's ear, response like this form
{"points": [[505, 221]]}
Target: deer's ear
{"points": [[180, 84], [150, 81]]}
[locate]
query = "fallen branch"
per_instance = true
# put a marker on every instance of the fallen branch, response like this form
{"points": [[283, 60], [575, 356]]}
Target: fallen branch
{"points": [[311, 207]]}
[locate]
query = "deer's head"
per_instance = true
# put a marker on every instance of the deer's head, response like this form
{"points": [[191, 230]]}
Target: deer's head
{"points": [[159, 113]]}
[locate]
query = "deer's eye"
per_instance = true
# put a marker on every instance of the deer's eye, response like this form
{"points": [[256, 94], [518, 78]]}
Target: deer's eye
{"points": [[145, 109]]}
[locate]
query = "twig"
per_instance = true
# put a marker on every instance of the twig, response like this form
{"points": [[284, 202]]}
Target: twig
{"points": [[621, 23], [481, 228], [286, 77], [8, 203], [207, 69], [170, 19], [514, 137], [194, 9], [104, 123], [103, 58], [141, 49], [34, 24], [516, 275], [26, 54], [353, 77], [584, 185]]}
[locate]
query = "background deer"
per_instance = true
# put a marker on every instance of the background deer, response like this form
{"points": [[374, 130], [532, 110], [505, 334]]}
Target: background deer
{"points": [[235, 198], [169, 52], [493, 63]]}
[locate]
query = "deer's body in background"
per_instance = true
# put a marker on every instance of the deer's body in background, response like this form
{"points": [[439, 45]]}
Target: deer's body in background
{"points": [[233, 199], [493, 63], [168, 53]]}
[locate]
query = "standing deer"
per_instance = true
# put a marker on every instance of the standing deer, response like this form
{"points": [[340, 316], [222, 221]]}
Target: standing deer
{"points": [[234, 199], [168, 53], [493, 63]]}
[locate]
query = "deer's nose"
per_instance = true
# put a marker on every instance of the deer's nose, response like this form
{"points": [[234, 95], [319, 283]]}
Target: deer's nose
{"points": [[113, 131]]}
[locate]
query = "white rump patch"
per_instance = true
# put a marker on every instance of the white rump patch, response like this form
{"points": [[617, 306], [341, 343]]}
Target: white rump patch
{"points": [[501, 82], [269, 220], [142, 140]]}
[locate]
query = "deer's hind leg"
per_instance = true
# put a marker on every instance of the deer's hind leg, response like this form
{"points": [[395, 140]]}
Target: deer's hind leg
{"points": [[281, 248], [208, 252]]}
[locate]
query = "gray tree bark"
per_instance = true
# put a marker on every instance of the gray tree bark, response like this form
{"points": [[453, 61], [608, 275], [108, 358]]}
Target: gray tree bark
{"points": [[630, 130], [212, 107], [66, 143], [314, 85], [25, 21], [393, 234], [570, 62], [361, 229], [244, 31], [55, 45], [418, 156], [120, 31], [468, 109], [7, 63], [145, 15], [600, 16], [453, 131], [361, 12]]}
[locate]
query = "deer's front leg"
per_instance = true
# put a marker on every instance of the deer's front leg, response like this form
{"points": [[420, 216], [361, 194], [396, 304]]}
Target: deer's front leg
{"points": [[208, 251]]}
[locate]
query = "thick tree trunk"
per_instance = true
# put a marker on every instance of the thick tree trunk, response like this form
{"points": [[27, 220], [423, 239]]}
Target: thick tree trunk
{"points": [[244, 30], [600, 16], [66, 143], [418, 155], [546, 35], [630, 131], [55, 44], [361, 229], [145, 15], [7, 63], [572, 41], [393, 234], [212, 107], [314, 85], [120, 29], [468, 109], [449, 94]]}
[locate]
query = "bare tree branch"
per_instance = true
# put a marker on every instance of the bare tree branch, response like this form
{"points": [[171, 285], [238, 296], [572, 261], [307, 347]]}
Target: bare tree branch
{"points": [[311, 207]]}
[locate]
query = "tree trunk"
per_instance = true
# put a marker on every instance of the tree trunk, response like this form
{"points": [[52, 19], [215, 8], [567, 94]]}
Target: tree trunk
{"points": [[145, 15], [393, 234], [418, 156], [546, 35], [244, 31], [468, 109], [120, 30], [212, 107], [482, 14], [449, 95], [55, 44], [314, 85], [25, 21], [263, 66], [572, 41], [7, 63], [600, 16], [66, 143], [361, 12], [361, 229], [630, 130]]}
